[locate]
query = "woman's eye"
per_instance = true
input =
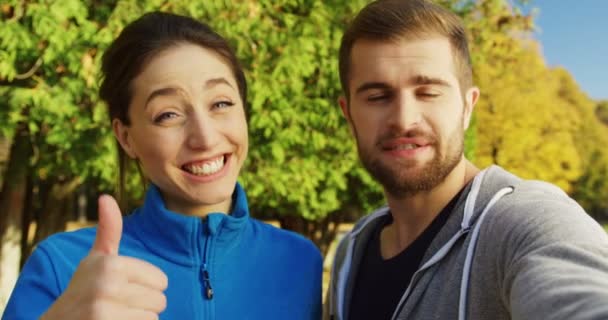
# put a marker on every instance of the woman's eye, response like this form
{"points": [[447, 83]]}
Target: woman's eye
{"points": [[165, 116], [223, 104]]}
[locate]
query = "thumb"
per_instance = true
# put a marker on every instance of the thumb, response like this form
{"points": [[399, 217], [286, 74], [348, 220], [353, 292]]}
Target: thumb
{"points": [[109, 228]]}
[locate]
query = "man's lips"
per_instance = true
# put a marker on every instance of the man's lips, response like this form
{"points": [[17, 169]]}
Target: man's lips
{"points": [[407, 143]]}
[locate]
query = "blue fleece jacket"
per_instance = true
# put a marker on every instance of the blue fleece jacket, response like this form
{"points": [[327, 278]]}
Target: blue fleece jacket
{"points": [[255, 271]]}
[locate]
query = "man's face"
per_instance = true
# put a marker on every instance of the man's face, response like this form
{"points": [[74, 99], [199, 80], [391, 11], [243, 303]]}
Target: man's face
{"points": [[407, 112]]}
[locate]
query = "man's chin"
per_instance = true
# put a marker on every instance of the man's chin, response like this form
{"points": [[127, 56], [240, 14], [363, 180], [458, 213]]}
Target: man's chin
{"points": [[404, 179], [406, 168]]}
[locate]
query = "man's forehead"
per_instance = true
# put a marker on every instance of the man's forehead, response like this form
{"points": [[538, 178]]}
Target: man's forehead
{"points": [[437, 48], [403, 58]]}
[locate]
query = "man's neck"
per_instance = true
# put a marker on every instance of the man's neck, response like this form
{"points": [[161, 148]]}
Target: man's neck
{"points": [[413, 214]]}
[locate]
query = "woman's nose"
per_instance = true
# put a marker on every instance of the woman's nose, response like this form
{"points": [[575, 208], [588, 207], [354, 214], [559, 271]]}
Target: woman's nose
{"points": [[202, 132]]}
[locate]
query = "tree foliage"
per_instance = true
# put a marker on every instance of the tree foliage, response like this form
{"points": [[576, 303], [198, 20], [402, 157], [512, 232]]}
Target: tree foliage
{"points": [[302, 168], [301, 159], [601, 111], [532, 119]]}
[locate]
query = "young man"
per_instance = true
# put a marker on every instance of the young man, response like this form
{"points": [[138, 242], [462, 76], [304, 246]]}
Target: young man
{"points": [[455, 242]]}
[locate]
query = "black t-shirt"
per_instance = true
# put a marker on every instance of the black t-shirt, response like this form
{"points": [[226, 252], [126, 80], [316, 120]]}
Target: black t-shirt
{"points": [[380, 284]]}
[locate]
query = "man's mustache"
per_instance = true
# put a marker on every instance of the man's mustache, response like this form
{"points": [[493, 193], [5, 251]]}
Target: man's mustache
{"points": [[418, 134]]}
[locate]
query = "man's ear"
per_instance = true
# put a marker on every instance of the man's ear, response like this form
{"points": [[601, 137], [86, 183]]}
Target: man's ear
{"points": [[344, 107], [343, 102], [121, 132], [470, 100]]}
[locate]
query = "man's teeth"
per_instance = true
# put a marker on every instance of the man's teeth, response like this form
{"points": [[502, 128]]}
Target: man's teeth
{"points": [[408, 146], [206, 168]]}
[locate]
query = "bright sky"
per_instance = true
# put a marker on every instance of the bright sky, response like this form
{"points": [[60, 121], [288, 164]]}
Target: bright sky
{"points": [[574, 35]]}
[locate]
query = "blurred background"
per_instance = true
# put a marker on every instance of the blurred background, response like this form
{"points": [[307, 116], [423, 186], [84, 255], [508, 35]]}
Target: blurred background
{"points": [[543, 113]]}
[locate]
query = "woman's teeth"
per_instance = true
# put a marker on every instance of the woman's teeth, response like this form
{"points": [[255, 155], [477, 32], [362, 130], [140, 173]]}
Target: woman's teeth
{"points": [[207, 168]]}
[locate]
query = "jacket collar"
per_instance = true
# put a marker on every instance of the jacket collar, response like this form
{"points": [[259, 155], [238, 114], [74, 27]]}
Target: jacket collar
{"points": [[181, 238], [495, 179], [458, 226]]}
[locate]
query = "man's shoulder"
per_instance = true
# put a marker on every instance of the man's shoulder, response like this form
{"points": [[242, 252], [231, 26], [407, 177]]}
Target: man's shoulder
{"points": [[541, 210], [363, 224], [369, 219], [528, 194], [539, 196]]}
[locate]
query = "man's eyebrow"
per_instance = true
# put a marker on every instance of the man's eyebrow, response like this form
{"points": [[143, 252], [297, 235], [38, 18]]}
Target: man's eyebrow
{"points": [[372, 85], [168, 91], [426, 80], [417, 80]]}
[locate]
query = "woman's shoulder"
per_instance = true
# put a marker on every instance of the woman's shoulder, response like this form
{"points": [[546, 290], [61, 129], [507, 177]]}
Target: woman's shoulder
{"points": [[55, 258], [284, 239], [76, 242]]}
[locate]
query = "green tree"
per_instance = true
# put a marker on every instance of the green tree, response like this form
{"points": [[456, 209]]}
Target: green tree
{"points": [[51, 114], [303, 169], [302, 159]]}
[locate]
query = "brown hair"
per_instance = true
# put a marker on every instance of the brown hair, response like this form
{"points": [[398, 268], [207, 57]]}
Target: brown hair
{"points": [[388, 20], [139, 42]]}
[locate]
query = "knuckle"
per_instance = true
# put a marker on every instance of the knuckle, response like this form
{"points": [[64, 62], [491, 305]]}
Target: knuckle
{"points": [[88, 262], [163, 281], [105, 290], [151, 316], [97, 310], [110, 266], [162, 303]]}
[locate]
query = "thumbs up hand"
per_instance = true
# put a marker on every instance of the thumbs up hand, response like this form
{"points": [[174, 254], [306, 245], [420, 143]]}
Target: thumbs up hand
{"points": [[108, 286], [109, 229]]}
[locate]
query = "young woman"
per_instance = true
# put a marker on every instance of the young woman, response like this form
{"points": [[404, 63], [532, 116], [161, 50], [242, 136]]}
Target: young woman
{"points": [[176, 98]]}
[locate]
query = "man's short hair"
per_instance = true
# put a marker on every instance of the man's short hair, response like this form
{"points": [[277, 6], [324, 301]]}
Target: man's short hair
{"points": [[391, 20]]}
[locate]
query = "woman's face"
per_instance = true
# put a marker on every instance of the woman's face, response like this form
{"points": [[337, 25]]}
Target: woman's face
{"points": [[188, 129]]}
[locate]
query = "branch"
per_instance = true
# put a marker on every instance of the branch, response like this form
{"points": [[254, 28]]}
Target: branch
{"points": [[31, 72]]}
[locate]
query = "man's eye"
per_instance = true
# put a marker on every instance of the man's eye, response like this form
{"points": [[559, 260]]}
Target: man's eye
{"points": [[165, 116], [428, 94], [378, 97]]}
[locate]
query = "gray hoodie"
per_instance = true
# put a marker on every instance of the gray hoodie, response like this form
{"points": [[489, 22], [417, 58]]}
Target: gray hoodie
{"points": [[511, 249]]}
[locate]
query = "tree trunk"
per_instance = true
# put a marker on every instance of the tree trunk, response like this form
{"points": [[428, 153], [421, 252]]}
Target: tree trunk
{"points": [[12, 199], [57, 209], [322, 231], [26, 221]]}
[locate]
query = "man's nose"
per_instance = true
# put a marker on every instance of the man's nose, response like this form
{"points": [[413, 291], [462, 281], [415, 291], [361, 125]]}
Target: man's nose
{"points": [[406, 113]]}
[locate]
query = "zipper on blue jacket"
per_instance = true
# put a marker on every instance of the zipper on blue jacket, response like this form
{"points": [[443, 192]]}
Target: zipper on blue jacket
{"points": [[207, 282], [205, 274]]}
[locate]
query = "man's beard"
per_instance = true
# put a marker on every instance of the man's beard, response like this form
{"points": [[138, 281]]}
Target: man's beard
{"points": [[400, 179]]}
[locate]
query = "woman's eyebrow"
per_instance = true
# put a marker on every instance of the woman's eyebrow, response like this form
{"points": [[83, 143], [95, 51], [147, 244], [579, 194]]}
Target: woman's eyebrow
{"points": [[217, 81], [168, 91]]}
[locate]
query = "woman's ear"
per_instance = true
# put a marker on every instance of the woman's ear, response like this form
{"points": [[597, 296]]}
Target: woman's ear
{"points": [[121, 132]]}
